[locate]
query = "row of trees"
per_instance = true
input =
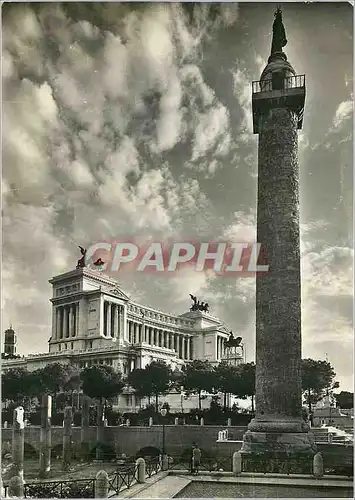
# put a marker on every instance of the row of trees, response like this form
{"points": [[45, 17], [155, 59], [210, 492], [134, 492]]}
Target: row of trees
{"points": [[102, 382], [198, 377], [20, 386]]}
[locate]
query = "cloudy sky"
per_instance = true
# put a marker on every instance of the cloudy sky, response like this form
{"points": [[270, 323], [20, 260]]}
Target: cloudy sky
{"points": [[135, 120]]}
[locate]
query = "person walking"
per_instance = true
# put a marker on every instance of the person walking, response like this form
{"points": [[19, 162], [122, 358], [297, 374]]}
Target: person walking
{"points": [[192, 458], [196, 459]]}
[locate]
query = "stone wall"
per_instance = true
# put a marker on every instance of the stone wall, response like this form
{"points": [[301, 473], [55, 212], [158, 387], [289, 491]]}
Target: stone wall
{"points": [[178, 438], [130, 440]]}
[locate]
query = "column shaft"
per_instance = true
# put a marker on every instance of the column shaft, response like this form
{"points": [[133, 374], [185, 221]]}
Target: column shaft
{"points": [[45, 436], [71, 321], [57, 332], [118, 322], [109, 319], [124, 322], [61, 328], [278, 293], [77, 318], [114, 320], [65, 322]]}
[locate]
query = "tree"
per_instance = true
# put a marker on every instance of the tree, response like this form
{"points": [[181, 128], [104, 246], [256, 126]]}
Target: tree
{"points": [[317, 380], [15, 385], [345, 400], [160, 377], [246, 386], [227, 380], [101, 382], [72, 386], [138, 380], [155, 379], [53, 378], [198, 376]]}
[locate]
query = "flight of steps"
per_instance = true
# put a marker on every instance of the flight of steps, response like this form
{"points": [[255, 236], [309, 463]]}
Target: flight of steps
{"points": [[331, 435], [320, 434]]}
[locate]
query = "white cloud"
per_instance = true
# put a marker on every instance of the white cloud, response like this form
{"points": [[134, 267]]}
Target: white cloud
{"points": [[212, 126], [242, 92], [344, 111], [243, 229], [188, 281], [245, 289], [327, 272], [169, 123]]}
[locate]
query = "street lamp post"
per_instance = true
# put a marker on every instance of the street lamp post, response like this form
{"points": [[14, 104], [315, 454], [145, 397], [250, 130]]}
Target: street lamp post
{"points": [[163, 413]]}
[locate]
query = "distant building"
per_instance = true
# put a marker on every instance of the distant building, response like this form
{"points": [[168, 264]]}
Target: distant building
{"points": [[10, 342], [330, 416], [94, 323]]}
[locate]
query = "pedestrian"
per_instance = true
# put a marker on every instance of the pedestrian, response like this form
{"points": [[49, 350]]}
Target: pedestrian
{"points": [[192, 458], [196, 458]]}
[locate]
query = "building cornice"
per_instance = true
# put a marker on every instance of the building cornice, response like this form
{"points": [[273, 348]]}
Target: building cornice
{"points": [[142, 346], [86, 273], [180, 330], [71, 297], [186, 322]]}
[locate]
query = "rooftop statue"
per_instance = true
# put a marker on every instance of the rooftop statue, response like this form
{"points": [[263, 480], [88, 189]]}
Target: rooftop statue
{"points": [[197, 305], [233, 341], [81, 261]]}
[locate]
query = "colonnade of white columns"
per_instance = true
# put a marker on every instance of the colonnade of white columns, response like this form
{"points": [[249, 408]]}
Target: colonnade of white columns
{"points": [[113, 319], [220, 347], [67, 321], [182, 344]]}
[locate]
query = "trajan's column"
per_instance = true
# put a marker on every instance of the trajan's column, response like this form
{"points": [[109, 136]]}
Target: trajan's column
{"points": [[278, 433]]}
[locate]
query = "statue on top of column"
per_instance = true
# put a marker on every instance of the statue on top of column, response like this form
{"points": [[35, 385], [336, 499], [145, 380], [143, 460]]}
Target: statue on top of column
{"points": [[278, 33], [81, 261]]}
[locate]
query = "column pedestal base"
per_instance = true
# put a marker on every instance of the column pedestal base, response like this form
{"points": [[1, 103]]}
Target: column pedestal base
{"points": [[277, 463], [278, 452]]}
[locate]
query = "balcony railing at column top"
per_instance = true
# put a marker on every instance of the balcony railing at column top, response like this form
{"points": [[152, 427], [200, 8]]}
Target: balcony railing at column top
{"points": [[289, 82]]}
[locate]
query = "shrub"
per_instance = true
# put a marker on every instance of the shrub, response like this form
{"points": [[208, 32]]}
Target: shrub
{"points": [[107, 452], [148, 451]]}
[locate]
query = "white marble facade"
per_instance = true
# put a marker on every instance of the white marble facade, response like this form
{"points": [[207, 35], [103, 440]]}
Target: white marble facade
{"points": [[95, 322]]}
